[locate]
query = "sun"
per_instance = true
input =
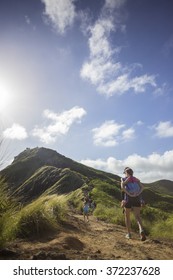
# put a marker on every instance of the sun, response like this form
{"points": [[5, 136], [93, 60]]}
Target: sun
{"points": [[5, 97]]}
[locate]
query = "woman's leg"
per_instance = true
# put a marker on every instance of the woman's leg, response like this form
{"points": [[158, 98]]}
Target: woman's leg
{"points": [[136, 211], [139, 221], [127, 219]]}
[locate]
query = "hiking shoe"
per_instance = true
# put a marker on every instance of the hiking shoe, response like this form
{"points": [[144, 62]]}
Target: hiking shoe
{"points": [[143, 237], [128, 236]]}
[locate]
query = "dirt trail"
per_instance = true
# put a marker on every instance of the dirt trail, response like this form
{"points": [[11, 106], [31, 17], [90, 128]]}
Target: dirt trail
{"points": [[91, 241]]}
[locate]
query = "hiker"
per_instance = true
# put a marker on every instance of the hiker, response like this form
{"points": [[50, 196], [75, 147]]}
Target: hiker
{"points": [[132, 187], [132, 200], [86, 208]]}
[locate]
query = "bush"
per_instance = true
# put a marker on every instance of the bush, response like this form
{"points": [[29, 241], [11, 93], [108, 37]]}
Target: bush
{"points": [[36, 219], [163, 229], [8, 208], [109, 214], [75, 199]]}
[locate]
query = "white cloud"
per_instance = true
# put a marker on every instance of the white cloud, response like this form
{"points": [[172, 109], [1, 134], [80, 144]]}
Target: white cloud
{"points": [[139, 83], [98, 70], [124, 83], [60, 124], [61, 13], [106, 134], [98, 42], [103, 69], [128, 134], [139, 123], [148, 169], [164, 129], [110, 134], [16, 131], [100, 67], [162, 90]]}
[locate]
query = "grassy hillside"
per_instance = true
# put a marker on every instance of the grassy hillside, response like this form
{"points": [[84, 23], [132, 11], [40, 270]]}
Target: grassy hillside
{"points": [[162, 186], [48, 180], [30, 160], [47, 186]]}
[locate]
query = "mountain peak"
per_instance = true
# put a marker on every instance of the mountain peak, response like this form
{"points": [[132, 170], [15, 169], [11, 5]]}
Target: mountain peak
{"points": [[41, 152], [34, 167]]}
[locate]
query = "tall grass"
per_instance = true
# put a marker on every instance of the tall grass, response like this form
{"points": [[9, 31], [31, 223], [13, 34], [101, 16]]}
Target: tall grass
{"points": [[40, 217], [36, 219], [163, 228], [8, 208], [109, 214], [75, 200]]}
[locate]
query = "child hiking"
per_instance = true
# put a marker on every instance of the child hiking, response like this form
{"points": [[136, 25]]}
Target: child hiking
{"points": [[86, 208], [132, 200]]}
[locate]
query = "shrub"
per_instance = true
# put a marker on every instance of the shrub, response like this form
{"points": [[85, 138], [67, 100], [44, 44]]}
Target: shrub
{"points": [[36, 219], [163, 229], [109, 214], [8, 208], [75, 199]]}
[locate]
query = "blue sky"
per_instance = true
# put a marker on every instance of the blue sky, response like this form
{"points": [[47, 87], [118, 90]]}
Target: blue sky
{"points": [[90, 79]]}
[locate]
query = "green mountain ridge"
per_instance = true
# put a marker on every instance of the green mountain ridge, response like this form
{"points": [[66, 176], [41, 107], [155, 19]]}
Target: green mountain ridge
{"points": [[49, 180], [162, 186], [40, 171]]}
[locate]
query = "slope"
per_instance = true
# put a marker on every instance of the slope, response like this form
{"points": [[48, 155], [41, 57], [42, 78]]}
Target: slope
{"points": [[39, 170], [162, 186], [48, 180], [95, 240]]}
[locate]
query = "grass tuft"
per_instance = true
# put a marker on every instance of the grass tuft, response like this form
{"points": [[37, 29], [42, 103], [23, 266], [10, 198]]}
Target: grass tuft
{"points": [[41, 217]]}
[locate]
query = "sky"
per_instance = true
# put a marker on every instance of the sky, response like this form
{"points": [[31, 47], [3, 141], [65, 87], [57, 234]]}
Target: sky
{"points": [[91, 79]]}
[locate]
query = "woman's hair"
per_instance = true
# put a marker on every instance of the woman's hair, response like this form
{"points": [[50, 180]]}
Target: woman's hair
{"points": [[129, 171]]}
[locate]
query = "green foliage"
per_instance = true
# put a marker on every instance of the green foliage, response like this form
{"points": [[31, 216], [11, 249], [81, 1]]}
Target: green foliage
{"points": [[152, 214], [107, 198], [75, 200], [163, 229], [158, 200], [162, 187], [105, 193], [152, 217], [109, 214], [164, 206], [8, 208], [36, 219], [69, 182], [41, 216], [5, 200]]}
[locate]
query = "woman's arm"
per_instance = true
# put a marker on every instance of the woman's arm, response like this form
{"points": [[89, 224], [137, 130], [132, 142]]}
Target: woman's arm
{"points": [[124, 182], [141, 187]]}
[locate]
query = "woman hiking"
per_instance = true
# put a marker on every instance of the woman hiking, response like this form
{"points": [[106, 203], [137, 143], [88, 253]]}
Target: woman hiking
{"points": [[132, 200]]}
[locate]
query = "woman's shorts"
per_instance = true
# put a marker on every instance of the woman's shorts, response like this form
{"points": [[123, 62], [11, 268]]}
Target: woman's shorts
{"points": [[133, 202]]}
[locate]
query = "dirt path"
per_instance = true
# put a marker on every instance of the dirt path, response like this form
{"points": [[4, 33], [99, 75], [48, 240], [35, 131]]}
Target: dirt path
{"points": [[91, 241]]}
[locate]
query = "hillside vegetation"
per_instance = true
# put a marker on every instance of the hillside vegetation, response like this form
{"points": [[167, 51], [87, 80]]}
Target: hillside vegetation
{"points": [[41, 189]]}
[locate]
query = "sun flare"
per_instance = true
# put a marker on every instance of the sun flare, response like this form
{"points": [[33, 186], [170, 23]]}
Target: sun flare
{"points": [[5, 97]]}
